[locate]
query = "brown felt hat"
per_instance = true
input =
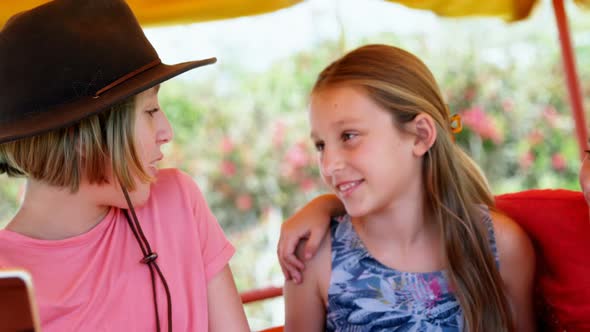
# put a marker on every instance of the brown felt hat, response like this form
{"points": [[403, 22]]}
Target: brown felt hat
{"points": [[68, 59]]}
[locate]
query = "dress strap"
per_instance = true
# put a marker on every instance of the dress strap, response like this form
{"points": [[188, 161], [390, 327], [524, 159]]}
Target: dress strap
{"points": [[487, 221]]}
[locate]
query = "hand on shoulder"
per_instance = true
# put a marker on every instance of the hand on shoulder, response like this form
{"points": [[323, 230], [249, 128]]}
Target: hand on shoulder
{"points": [[318, 265], [310, 223]]}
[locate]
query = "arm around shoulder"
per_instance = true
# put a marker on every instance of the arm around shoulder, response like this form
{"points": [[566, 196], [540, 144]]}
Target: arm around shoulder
{"points": [[310, 223], [517, 269]]}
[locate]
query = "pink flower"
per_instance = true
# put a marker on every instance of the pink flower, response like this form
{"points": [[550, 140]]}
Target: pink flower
{"points": [[306, 185], [558, 162], [535, 137], [228, 168], [526, 160], [297, 156], [244, 202], [227, 145], [482, 124]]}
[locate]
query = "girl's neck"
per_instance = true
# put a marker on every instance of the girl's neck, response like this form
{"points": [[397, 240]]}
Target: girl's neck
{"points": [[404, 222], [53, 213], [403, 236]]}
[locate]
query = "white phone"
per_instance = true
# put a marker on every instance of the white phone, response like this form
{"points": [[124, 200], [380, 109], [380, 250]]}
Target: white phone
{"points": [[18, 309]]}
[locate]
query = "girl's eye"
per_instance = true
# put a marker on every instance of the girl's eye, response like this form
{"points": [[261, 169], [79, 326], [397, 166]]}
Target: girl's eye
{"points": [[587, 151], [152, 111], [348, 136], [319, 146]]}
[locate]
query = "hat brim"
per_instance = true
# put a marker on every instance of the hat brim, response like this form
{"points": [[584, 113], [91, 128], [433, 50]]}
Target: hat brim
{"points": [[67, 114]]}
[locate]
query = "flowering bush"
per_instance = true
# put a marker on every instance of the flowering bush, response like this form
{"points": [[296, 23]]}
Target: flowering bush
{"points": [[520, 133], [246, 159], [249, 149], [244, 136]]}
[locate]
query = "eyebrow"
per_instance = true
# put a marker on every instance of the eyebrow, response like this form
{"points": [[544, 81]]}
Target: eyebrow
{"points": [[339, 123]]}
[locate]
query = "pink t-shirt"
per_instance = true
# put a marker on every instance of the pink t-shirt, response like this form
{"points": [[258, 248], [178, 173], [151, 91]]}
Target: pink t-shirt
{"points": [[95, 282]]}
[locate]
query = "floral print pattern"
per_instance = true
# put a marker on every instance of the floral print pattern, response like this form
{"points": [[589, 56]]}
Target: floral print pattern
{"points": [[365, 295]]}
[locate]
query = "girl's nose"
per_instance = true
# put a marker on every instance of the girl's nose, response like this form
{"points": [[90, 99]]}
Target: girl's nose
{"points": [[331, 162], [165, 131]]}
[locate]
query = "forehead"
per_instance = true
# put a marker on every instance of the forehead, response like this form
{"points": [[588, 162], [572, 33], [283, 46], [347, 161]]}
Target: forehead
{"points": [[338, 108], [338, 97], [344, 103], [148, 95]]}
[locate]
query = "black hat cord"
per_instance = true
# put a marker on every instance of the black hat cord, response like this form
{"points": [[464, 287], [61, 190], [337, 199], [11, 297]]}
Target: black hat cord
{"points": [[149, 258]]}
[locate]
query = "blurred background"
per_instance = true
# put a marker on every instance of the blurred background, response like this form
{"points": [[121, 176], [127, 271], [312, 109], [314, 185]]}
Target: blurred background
{"points": [[241, 125]]}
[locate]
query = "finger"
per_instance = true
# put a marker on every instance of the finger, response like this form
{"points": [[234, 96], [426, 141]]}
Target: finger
{"points": [[289, 245], [287, 252], [285, 271], [290, 264], [293, 262], [312, 244], [296, 276], [281, 256]]}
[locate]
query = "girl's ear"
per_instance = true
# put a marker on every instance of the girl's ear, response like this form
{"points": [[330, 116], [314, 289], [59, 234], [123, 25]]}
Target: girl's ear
{"points": [[425, 129]]}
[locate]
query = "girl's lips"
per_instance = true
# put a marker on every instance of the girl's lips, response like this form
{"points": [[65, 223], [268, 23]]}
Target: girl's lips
{"points": [[346, 188], [153, 166]]}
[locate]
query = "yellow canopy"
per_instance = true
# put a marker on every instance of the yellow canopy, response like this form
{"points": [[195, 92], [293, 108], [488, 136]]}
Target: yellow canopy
{"points": [[509, 10], [158, 12]]}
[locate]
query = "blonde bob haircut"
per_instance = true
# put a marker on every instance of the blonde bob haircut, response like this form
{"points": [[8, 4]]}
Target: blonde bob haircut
{"points": [[90, 150]]}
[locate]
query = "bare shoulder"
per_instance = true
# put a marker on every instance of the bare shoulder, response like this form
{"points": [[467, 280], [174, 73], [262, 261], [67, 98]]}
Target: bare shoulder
{"points": [[305, 303], [511, 240], [517, 269]]}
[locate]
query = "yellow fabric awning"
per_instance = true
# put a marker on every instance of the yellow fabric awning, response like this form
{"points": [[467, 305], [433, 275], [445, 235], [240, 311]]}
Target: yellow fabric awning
{"points": [[509, 10], [162, 12]]}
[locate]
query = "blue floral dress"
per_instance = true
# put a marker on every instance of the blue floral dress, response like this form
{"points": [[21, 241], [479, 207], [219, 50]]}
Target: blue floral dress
{"points": [[365, 295]]}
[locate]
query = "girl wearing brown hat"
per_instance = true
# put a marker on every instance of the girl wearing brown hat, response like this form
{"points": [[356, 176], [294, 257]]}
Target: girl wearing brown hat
{"points": [[112, 243]]}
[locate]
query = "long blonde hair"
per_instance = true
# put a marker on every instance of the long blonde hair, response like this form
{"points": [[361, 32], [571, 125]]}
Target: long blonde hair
{"points": [[454, 186], [91, 148]]}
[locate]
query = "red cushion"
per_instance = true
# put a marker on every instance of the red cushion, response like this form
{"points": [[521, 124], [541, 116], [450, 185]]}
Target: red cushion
{"points": [[274, 329], [558, 224]]}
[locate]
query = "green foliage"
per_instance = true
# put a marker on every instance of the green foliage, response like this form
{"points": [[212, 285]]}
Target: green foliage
{"points": [[246, 140], [244, 136]]}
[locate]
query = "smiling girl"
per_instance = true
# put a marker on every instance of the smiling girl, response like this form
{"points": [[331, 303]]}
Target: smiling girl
{"points": [[420, 247]]}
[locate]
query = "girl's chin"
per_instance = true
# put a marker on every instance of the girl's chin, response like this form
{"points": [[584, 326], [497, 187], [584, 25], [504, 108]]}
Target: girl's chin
{"points": [[152, 171], [354, 211]]}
